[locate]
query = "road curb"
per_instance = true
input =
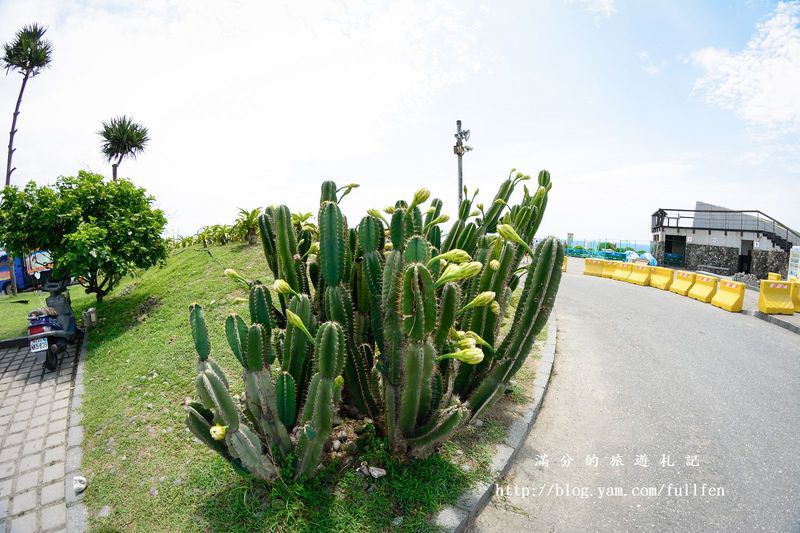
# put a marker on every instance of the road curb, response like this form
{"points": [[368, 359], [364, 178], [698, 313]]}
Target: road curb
{"points": [[774, 320], [76, 510], [458, 517], [16, 342]]}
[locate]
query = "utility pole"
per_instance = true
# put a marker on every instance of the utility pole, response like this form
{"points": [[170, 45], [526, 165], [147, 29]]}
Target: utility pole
{"points": [[460, 149]]}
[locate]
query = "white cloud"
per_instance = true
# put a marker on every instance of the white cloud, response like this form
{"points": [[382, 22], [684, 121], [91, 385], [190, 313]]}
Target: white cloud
{"points": [[760, 82], [598, 8], [245, 102]]}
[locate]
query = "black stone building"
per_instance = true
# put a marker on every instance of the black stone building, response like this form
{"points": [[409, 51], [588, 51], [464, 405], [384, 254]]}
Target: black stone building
{"points": [[725, 241]]}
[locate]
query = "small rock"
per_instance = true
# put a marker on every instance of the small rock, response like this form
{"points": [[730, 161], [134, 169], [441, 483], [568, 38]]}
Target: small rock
{"points": [[459, 451], [397, 520], [466, 468], [104, 512], [79, 484], [177, 481], [371, 488], [376, 472], [342, 435], [123, 458], [149, 405], [162, 479], [336, 445], [477, 423], [351, 447], [154, 492]]}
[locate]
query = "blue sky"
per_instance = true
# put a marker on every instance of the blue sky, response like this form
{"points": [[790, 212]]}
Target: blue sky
{"points": [[631, 105]]}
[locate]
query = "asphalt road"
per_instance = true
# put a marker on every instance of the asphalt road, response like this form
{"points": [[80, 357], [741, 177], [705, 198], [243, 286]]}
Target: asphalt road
{"points": [[643, 372]]}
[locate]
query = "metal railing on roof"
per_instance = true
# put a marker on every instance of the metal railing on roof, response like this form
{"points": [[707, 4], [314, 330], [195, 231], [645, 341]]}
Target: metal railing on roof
{"points": [[723, 220]]}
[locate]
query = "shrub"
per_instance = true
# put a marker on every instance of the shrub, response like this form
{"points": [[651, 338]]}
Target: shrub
{"points": [[95, 231]]}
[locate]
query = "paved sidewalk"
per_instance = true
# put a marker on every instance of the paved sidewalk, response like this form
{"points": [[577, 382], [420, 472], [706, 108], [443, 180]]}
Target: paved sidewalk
{"points": [[34, 434]]}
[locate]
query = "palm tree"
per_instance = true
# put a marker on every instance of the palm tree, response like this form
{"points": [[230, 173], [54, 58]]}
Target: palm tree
{"points": [[246, 226], [27, 54], [122, 137]]}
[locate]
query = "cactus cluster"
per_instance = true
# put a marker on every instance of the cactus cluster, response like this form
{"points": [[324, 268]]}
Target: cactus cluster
{"points": [[394, 318]]}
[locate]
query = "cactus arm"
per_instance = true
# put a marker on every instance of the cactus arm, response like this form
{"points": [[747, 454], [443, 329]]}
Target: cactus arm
{"points": [[244, 444], [268, 243], [410, 398], [221, 399], [447, 314], [287, 399], [331, 243], [295, 344], [197, 322], [449, 420], [286, 245]]}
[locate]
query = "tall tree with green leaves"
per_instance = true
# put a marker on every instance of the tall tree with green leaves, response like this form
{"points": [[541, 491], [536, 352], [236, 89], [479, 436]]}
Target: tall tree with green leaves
{"points": [[122, 137], [28, 53]]}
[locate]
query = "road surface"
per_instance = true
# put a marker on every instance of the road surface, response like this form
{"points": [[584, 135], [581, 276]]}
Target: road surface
{"points": [[705, 401]]}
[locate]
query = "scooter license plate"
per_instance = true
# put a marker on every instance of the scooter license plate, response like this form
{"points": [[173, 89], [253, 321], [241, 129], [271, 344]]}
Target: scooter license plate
{"points": [[39, 345]]}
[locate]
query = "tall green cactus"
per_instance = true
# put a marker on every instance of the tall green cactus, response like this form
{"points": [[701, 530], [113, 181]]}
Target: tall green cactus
{"points": [[408, 313], [254, 434]]}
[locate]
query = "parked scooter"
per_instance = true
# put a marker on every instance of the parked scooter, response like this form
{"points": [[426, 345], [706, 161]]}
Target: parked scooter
{"points": [[51, 328]]}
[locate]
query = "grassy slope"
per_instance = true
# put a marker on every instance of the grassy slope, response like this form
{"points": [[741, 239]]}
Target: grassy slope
{"points": [[143, 464]]}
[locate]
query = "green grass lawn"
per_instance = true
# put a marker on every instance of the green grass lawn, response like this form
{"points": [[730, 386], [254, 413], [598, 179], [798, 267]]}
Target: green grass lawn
{"points": [[14, 311], [146, 467]]}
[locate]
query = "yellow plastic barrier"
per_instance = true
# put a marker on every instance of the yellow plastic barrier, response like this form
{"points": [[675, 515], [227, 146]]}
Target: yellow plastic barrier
{"points": [[795, 293], [683, 283], [609, 267], [593, 267], [640, 275], [661, 278], [775, 298], [773, 276], [564, 264], [622, 272], [730, 296], [704, 288]]}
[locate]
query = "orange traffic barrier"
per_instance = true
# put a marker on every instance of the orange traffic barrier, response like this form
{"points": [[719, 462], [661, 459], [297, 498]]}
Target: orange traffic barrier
{"points": [[622, 272], [729, 296], [661, 278], [795, 293], [609, 267], [683, 283], [775, 298], [773, 276], [593, 267], [640, 275], [704, 288]]}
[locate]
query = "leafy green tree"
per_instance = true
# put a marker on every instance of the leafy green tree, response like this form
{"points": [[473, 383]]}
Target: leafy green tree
{"points": [[246, 225], [96, 231], [122, 137], [28, 53]]}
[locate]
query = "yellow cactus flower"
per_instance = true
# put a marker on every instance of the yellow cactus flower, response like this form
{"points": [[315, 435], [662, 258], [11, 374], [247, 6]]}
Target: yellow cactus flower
{"points": [[218, 432], [470, 356], [283, 287]]}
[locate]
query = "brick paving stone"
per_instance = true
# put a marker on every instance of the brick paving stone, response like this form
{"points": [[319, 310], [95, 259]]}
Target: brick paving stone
{"points": [[23, 524], [53, 492], [23, 502], [54, 516], [30, 462], [54, 454], [34, 425]]}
